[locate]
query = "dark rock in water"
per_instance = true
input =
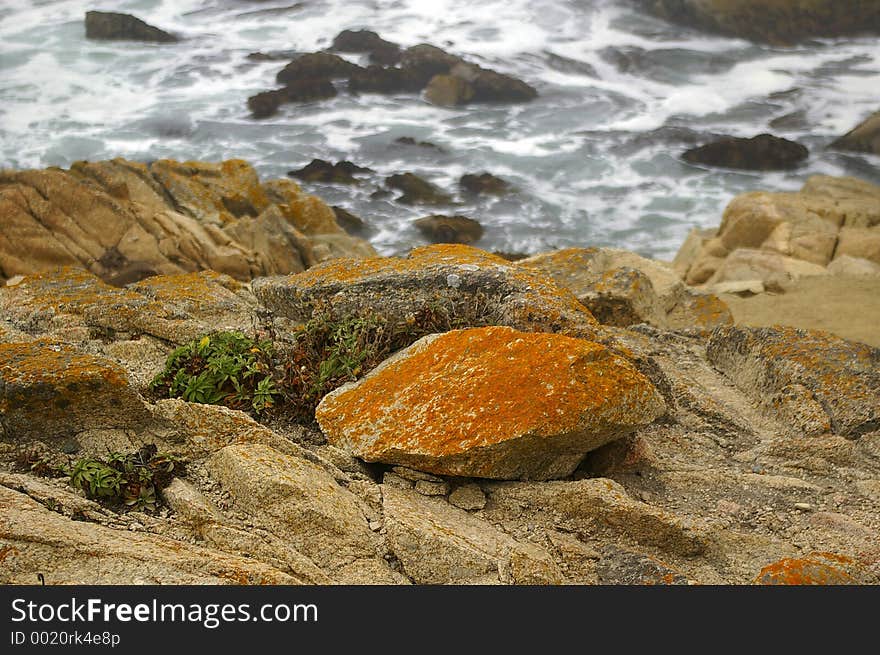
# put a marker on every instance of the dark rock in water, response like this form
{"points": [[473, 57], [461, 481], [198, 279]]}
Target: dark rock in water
{"points": [[376, 79], [779, 22], [483, 183], [409, 141], [450, 229], [380, 194], [112, 25], [265, 104], [319, 170], [352, 224], [309, 90], [381, 51], [448, 91], [424, 61], [416, 190], [796, 120], [316, 65], [571, 66], [491, 86], [764, 152], [511, 256], [864, 138]]}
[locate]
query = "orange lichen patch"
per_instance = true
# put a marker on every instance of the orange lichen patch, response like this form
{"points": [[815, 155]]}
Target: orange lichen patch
{"points": [[706, 310], [473, 389], [814, 569], [193, 291], [310, 215]]}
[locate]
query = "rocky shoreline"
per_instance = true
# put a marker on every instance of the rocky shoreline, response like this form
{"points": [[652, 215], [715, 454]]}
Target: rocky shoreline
{"points": [[584, 416]]}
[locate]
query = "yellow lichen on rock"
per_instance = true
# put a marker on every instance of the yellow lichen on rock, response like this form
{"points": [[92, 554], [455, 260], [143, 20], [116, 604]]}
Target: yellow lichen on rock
{"points": [[491, 402]]}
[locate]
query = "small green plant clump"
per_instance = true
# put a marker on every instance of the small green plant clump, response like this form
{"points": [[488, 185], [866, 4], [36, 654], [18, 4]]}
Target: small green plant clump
{"points": [[126, 481], [224, 368]]}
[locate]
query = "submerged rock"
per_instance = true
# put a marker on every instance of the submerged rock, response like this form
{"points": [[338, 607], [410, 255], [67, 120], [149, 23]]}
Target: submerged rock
{"points": [[483, 183], [764, 152], [450, 229], [319, 170], [466, 403], [112, 25]]}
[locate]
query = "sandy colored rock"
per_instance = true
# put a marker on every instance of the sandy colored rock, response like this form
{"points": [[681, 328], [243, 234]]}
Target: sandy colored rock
{"points": [[50, 391], [863, 243], [846, 265], [455, 277], [621, 288], [468, 496], [35, 540], [448, 91], [464, 403], [816, 381], [773, 269], [440, 544], [297, 501]]}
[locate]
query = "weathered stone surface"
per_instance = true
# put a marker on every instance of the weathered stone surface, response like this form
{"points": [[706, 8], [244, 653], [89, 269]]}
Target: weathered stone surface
{"points": [[492, 86], [865, 137], [468, 496], [623, 567], [449, 229], [814, 569], [297, 501], [854, 266], [817, 382], [112, 25], [773, 269], [115, 217], [440, 544], [417, 190], [316, 65], [463, 403], [50, 391], [860, 242], [35, 540], [773, 21], [448, 91], [455, 277], [620, 288], [379, 79], [598, 505], [764, 152]]}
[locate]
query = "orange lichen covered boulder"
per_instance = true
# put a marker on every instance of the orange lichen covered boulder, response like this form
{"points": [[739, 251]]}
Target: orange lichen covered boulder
{"points": [[812, 380], [51, 391], [491, 402], [446, 275], [814, 569]]}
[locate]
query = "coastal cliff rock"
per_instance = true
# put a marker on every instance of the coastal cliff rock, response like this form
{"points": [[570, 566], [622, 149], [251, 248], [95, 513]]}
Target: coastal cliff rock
{"points": [[120, 217], [780, 22], [462, 404], [774, 238]]}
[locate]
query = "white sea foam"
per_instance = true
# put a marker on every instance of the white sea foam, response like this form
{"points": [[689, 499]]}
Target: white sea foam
{"points": [[574, 155]]}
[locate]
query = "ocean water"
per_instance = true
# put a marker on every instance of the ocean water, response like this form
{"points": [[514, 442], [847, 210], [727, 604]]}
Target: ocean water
{"points": [[594, 161]]}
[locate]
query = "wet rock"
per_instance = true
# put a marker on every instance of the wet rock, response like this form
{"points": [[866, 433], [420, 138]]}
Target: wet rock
{"points": [[816, 381], [448, 91], [112, 25], [417, 190], [381, 51], [67, 551], [475, 411], [319, 170], [424, 61], [865, 137], [266, 103], [491, 86], [52, 392], [309, 90], [764, 152], [450, 229], [483, 183], [440, 544], [349, 222], [779, 22], [315, 66], [463, 280], [379, 79]]}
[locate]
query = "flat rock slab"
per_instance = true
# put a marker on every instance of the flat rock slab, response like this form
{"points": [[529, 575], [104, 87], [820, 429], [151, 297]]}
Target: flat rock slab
{"points": [[49, 390], [815, 381], [491, 402], [448, 276]]}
